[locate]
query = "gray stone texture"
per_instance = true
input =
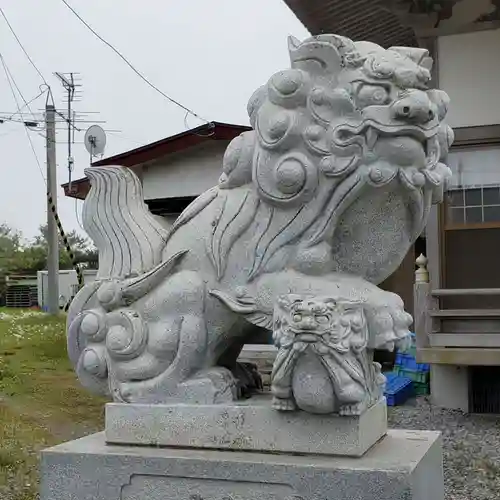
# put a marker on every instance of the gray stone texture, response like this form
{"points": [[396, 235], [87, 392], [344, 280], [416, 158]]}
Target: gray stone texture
{"points": [[406, 465], [251, 425]]}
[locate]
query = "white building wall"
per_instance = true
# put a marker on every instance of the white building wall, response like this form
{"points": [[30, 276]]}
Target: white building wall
{"points": [[469, 71], [187, 173], [68, 285]]}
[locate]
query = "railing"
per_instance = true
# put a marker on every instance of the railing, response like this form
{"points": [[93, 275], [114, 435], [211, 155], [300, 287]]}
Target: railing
{"points": [[434, 343], [465, 291], [431, 321]]}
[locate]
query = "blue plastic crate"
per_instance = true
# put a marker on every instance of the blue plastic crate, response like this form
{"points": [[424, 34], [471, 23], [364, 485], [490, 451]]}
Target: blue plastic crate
{"points": [[409, 362], [419, 376], [397, 390], [391, 375]]}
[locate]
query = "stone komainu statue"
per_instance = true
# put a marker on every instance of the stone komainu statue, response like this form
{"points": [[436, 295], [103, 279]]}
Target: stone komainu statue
{"points": [[315, 206]]}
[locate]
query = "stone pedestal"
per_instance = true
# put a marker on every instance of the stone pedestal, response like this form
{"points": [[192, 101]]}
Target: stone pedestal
{"points": [[243, 451], [251, 425], [402, 466]]}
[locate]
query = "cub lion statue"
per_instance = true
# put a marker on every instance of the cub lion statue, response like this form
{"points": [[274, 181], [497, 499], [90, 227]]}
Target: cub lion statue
{"points": [[315, 206]]}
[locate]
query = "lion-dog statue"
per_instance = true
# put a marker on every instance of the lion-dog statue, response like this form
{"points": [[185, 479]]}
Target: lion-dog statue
{"points": [[315, 206]]}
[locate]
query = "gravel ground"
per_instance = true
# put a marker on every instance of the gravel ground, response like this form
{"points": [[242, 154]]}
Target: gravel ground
{"points": [[471, 447]]}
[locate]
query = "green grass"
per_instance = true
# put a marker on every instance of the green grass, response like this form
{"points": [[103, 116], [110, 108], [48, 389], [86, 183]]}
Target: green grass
{"points": [[41, 402]]}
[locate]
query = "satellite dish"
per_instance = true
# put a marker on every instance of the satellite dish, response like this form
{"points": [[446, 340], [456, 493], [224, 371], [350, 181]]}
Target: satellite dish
{"points": [[95, 140]]}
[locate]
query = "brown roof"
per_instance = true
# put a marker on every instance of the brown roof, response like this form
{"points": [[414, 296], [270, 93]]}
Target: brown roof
{"points": [[212, 131], [187, 139]]}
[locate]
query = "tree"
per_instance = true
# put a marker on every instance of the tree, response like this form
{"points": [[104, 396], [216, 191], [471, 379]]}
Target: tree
{"points": [[81, 247], [17, 257], [10, 242], [10, 250], [77, 242]]}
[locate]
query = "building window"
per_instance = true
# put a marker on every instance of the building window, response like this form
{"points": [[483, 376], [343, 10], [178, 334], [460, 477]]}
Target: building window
{"points": [[473, 206], [473, 193]]}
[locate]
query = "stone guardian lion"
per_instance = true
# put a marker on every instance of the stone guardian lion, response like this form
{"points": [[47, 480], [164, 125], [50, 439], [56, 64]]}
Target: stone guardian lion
{"points": [[315, 207]]}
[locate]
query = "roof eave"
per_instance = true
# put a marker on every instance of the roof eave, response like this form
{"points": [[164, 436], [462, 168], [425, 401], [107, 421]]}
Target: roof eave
{"points": [[178, 142], [355, 19]]}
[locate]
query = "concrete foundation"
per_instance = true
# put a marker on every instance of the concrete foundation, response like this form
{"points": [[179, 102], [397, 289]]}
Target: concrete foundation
{"points": [[450, 387], [405, 465]]}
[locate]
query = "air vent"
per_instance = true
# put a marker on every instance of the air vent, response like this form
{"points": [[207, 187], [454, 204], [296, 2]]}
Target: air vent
{"points": [[484, 389]]}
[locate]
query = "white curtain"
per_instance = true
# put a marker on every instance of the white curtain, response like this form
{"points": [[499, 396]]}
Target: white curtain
{"points": [[474, 168]]}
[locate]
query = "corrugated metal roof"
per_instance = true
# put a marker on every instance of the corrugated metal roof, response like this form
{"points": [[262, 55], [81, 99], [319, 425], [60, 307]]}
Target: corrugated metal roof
{"points": [[355, 19]]}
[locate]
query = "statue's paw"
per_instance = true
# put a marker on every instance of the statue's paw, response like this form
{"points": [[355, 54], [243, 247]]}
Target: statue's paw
{"points": [[379, 377], [284, 404], [389, 325], [211, 386], [403, 344], [352, 410], [248, 379], [351, 393]]}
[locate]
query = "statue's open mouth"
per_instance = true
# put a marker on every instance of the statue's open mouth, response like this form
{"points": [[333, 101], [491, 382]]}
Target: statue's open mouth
{"points": [[308, 338], [369, 134]]}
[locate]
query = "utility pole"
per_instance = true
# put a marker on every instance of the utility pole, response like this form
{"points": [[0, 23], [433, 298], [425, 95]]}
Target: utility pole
{"points": [[52, 231]]}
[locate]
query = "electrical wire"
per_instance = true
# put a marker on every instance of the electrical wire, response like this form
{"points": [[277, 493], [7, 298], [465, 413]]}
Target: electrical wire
{"points": [[26, 103], [123, 137], [22, 47], [211, 124], [31, 101], [131, 66], [7, 73], [13, 120], [50, 99]]}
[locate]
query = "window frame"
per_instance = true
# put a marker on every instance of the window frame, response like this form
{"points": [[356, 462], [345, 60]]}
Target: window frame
{"points": [[471, 138]]}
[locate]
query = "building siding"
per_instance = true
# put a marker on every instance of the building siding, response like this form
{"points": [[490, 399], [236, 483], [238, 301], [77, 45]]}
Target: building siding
{"points": [[188, 173], [469, 71]]}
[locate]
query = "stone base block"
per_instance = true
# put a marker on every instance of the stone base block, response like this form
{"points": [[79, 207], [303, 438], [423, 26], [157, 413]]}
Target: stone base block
{"points": [[251, 426], [403, 466]]}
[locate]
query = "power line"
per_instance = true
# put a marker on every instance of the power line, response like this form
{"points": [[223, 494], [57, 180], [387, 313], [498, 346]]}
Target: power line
{"points": [[13, 120], [23, 49], [7, 73], [26, 103], [54, 252], [120, 135], [130, 65], [30, 101], [211, 124]]}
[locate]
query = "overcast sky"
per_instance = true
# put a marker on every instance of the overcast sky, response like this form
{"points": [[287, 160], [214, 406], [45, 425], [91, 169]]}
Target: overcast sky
{"points": [[209, 55]]}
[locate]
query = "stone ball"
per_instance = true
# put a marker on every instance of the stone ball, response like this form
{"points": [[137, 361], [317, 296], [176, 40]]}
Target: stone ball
{"points": [[312, 387]]}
